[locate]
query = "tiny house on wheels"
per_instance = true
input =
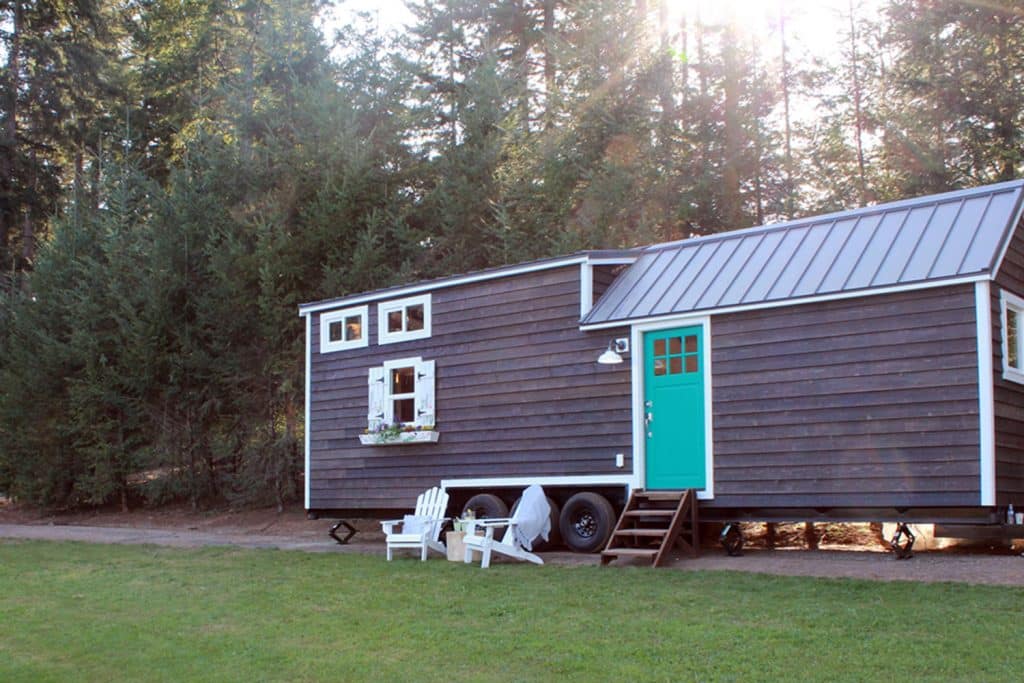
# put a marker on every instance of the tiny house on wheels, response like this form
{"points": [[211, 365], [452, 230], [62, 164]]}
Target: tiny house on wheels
{"points": [[862, 366]]}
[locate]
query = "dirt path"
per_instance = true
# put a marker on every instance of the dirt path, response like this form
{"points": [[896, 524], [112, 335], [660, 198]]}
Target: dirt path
{"points": [[934, 566]]}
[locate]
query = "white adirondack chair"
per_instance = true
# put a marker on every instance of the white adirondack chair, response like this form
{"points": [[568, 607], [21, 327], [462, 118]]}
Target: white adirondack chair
{"points": [[531, 519], [422, 529]]}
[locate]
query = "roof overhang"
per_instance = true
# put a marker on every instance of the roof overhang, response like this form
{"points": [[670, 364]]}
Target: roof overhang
{"points": [[779, 303], [593, 258]]}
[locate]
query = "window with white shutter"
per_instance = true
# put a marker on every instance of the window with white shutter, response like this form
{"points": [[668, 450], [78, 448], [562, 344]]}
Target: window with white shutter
{"points": [[401, 393]]}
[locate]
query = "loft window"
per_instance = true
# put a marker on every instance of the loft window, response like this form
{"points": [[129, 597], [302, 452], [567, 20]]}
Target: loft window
{"points": [[345, 329], [403, 319], [1013, 353], [401, 392]]}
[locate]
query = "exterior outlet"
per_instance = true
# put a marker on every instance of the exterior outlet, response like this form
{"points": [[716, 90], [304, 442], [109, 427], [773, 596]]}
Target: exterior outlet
{"points": [[620, 460]]}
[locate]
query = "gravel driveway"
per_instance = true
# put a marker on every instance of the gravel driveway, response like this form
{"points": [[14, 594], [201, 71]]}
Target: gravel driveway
{"points": [[931, 566]]}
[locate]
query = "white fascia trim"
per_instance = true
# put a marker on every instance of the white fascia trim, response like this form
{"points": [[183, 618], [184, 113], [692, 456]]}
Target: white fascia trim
{"points": [[986, 395], [385, 307], [495, 482], [795, 302], [309, 398], [586, 288], [465, 279], [1009, 238], [1008, 300], [637, 368], [328, 346]]}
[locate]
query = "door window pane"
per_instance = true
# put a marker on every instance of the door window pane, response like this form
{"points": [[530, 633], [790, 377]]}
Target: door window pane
{"points": [[659, 347], [675, 365], [691, 343], [659, 366], [691, 363], [675, 345]]}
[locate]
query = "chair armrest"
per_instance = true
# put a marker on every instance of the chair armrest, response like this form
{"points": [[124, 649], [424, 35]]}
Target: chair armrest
{"points": [[388, 525], [486, 524]]}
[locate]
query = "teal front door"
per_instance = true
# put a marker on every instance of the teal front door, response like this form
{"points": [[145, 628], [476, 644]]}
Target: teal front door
{"points": [[674, 408]]}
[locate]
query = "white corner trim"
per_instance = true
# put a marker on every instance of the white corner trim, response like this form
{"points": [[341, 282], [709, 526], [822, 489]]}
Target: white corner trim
{"points": [[789, 302], [586, 288], [328, 346], [583, 480], [309, 397], [392, 305], [637, 368], [986, 394], [1007, 301]]}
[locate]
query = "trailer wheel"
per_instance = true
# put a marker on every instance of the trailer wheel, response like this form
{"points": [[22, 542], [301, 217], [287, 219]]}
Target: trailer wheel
{"points": [[554, 537], [586, 522], [486, 506]]}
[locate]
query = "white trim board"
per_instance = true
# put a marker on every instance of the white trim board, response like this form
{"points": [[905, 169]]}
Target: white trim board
{"points": [[789, 302], [986, 394], [637, 387], [586, 288], [309, 401], [584, 480], [455, 281]]}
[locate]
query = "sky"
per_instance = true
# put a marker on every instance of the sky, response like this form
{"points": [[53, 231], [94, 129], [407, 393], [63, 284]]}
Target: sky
{"points": [[813, 25]]}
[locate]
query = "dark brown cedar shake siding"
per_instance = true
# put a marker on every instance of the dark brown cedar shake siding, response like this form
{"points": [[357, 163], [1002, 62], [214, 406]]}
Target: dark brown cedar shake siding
{"points": [[517, 391], [863, 402], [1009, 396]]}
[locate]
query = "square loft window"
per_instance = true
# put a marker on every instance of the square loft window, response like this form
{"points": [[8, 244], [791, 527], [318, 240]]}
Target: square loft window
{"points": [[345, 329], [404, 319]]}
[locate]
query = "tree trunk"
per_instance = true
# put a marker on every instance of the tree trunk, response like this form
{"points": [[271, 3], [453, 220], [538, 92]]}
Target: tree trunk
{"points": [[9, 141], [858, 118], [784, 68], [810, 536], [733, 135], [549, 64]]}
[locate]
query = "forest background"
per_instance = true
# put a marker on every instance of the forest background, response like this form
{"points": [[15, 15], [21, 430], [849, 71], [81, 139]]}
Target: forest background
{"points": [[176, 176]]}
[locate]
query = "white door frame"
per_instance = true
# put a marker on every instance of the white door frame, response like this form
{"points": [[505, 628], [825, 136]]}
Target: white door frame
{"points": [[637, 369]]}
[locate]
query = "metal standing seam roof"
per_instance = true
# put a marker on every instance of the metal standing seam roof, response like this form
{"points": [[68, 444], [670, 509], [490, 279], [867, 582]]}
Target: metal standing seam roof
{"points": [[932, 238]]}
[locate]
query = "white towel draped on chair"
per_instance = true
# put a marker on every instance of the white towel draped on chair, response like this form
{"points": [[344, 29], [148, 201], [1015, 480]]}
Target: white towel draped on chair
{"points": [[531, 519]]}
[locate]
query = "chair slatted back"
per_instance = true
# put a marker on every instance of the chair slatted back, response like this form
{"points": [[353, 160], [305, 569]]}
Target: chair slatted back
{"points": [[433, 503]]}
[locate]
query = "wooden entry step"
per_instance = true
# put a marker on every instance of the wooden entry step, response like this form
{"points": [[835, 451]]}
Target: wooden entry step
{"points": [[651, 523]]}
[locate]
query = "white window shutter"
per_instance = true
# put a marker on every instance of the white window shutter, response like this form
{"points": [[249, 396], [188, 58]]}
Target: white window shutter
{"points": [[375, 409], [425, 414]]}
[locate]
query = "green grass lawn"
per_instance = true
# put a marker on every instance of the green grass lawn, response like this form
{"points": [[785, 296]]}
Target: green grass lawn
{"points": [[110, 613]]}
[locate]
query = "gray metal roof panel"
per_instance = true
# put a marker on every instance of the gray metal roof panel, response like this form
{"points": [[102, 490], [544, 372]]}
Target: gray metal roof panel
{"points": [[937, 237]]}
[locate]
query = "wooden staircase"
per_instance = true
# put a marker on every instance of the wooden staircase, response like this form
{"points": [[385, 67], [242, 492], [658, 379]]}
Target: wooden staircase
{"points": [[651, 523]]}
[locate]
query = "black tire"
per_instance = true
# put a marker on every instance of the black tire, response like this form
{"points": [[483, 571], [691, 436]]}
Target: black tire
{"points": [[554, 537], [486, 506], [586, 522]]}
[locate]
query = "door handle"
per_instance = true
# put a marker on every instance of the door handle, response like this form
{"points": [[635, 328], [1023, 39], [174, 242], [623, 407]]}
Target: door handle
{"points": [[648, 419]]}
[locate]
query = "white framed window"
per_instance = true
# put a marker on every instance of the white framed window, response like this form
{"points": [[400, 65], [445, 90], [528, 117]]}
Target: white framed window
{"points": [[401, 392], [344, 329], [403, 319], [1012, 308]]}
